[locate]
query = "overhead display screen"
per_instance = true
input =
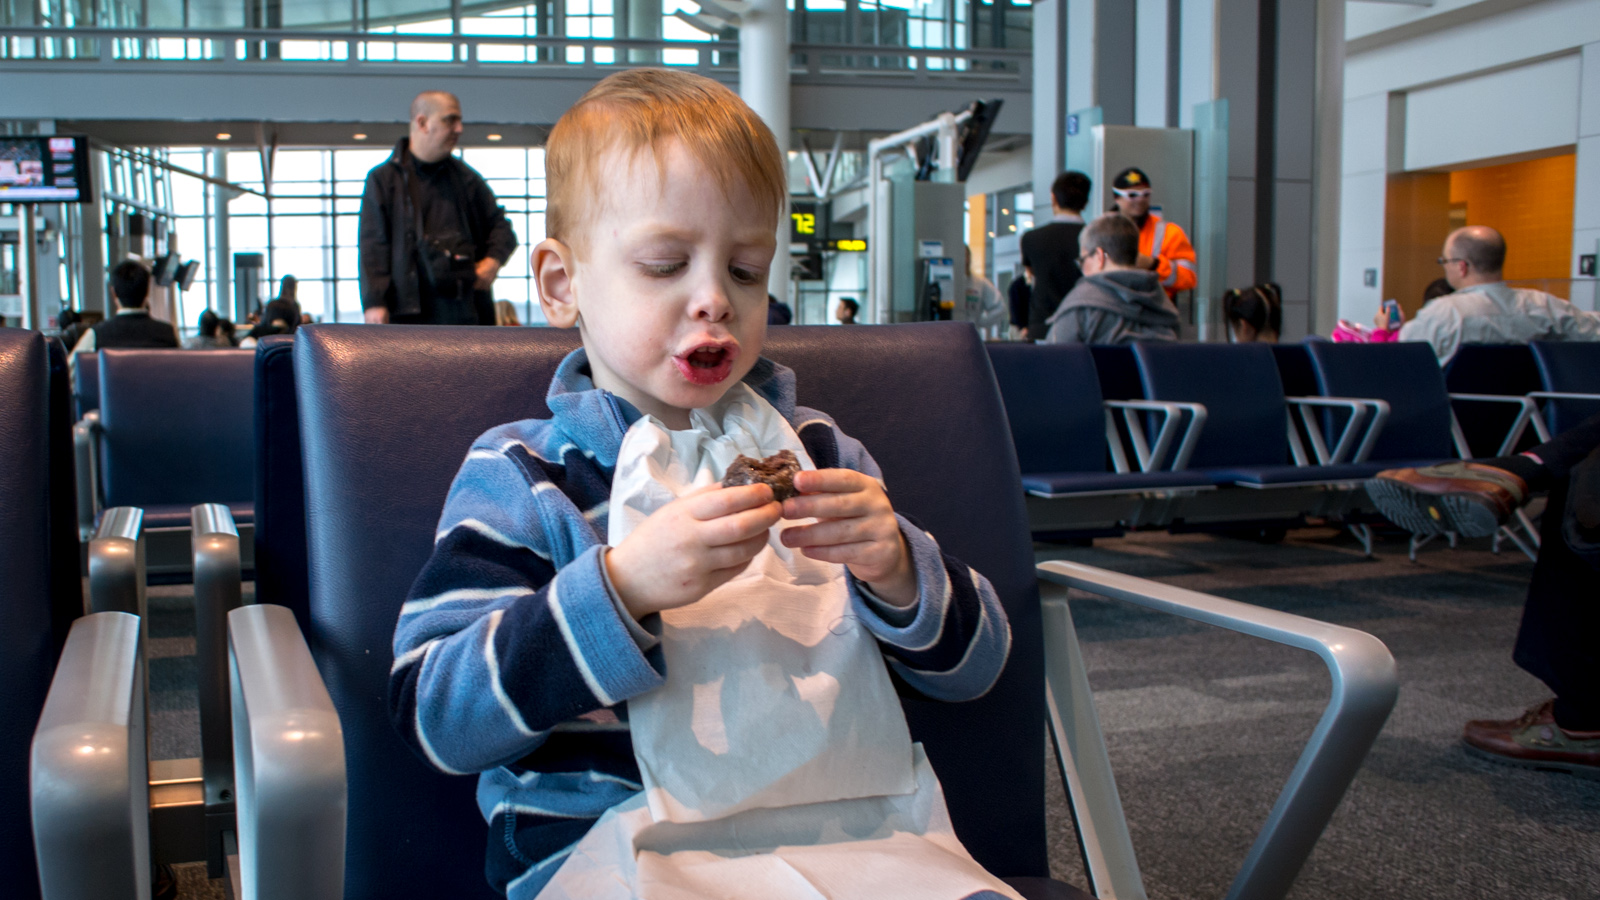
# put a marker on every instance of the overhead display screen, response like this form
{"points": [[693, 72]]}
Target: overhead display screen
{"points": [[47, 169]]}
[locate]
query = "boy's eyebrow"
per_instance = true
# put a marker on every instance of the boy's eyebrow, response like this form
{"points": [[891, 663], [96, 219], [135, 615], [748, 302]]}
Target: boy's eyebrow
{"points": [[686, 233]]}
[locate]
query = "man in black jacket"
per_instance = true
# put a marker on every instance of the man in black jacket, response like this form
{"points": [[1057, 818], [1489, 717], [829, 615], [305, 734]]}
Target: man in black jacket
{"points": [[132, 325], [1050, 252], [433, 238]]}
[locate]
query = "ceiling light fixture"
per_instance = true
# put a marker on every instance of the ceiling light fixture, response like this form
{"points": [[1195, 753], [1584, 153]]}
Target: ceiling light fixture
{"points": [[495, 137], [359, 136], [224, 136]]}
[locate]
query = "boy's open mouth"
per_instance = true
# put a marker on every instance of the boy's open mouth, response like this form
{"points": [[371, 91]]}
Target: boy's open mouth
{"points": [[708, 363]]}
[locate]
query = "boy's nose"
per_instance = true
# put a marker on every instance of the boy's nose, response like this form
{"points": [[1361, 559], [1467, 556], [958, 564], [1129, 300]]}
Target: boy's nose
{"points": [[711, 302]]}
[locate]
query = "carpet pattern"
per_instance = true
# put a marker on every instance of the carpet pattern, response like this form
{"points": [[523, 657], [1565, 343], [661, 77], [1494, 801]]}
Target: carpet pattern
{"points": [[1204, 726]]}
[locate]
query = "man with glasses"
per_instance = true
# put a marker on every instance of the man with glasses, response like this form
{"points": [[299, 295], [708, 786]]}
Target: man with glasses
{"points": [[1163, 247], [1483, 309], [1116, 301]]}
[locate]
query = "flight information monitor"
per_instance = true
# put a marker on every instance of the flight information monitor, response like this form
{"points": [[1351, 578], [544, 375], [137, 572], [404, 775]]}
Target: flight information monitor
{"points": [[44, 169]]}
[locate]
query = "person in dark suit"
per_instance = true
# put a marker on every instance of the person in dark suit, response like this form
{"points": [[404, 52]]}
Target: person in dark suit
{"points": [[132, 326], [1050, 252]]}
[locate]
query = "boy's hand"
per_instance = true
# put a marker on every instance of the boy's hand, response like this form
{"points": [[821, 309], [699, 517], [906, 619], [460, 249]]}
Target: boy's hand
{"points": [[855, 526], [684, 550]]}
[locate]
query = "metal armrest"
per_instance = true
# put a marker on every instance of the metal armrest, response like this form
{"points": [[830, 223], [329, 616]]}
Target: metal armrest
{"points": [[86, 776], [1154, 459], [116, 562], [1539, 426], [288, 752], [86, 462], [1529, 413], [1364, 691], [1360, 408], [214, 545]]}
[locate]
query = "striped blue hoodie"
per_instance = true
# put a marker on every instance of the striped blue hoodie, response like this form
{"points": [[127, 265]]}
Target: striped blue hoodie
{"points": [[514, 658]]}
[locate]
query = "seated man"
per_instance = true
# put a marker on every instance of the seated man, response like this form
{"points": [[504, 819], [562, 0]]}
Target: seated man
{"points": [[132, 326], [1559, 641], [1115, 302], [1483, 310]]}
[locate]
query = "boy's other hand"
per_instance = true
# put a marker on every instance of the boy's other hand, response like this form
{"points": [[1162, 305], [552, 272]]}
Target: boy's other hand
{"points": [[855, 526], [696, 543]]}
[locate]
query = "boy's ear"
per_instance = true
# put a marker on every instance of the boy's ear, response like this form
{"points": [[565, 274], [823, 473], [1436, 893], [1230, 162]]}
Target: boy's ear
{"points": [[553, 270]]}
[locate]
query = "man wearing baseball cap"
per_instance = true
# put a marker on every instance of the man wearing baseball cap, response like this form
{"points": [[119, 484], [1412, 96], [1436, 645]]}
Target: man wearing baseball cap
{"points": [[1163, 247]]}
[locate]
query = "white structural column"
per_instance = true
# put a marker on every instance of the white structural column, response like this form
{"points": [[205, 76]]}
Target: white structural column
{"points": [[1049, 100], [764, 84], [1327, 166], [1586, 193]]}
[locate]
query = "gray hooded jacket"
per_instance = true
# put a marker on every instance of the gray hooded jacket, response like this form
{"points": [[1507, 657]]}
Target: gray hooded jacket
{"points": [[1119, 306]]}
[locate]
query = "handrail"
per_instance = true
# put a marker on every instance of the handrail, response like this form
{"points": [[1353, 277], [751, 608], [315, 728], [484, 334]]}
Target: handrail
{"points": [[1364, 689], [228, 46]]}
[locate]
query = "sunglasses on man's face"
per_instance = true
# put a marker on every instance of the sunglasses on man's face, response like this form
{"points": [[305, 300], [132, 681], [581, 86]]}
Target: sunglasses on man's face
{"points": [[1131, 195]]}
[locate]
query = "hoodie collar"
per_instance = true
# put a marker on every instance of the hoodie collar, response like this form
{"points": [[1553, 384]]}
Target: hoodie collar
{"points": [[597, 420]]}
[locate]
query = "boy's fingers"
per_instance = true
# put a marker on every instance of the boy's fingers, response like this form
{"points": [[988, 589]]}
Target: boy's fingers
{"points": [[838, 553], [819, 534], [822, 481], [741, 526], [827, 506], [716, 501], [733, 555]]}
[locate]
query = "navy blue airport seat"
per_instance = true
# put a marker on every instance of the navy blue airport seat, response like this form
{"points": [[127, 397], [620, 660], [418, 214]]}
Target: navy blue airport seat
{"points": [[417, 833], [175, 429], [1568, 368], [86, 384], [27, 654], [1248, 440], [1499, 370], [370, 532], [66, 564], [282, 576], [1294, 368], [1062, 431], [1406, 375], [1118, 372]]}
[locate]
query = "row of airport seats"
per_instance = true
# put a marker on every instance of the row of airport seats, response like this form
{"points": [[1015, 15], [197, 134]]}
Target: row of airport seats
{"points": [[1272, 433], [359, 431]]}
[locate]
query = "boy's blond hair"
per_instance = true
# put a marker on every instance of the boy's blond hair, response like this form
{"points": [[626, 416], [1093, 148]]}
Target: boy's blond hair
{"points": [[643, 109]]}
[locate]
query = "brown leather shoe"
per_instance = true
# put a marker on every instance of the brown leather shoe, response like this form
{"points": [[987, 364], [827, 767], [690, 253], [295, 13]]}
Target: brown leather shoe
{"points": [[1534, 740], [1470, 499]]}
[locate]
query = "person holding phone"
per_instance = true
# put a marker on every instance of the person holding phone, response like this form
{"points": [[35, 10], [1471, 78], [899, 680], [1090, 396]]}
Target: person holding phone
{"points": [[1485, 310]]}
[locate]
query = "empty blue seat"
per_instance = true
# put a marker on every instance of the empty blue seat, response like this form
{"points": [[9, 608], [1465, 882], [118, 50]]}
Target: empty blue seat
{"points": [[1406, 375], [1502, 369], [1060, 429], [1568, 368], [1294, 368], [280, 501], [177, 430], [86, 384]]}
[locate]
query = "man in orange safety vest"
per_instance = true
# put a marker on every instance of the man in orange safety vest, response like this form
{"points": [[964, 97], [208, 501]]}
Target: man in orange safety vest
{"points": [[1163, 247]]}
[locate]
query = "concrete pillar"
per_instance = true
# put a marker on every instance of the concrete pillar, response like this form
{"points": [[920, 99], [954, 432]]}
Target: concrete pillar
{"points": [[643, 23], [91, 241], [1102, 58], [221, 295], [1049, 100], [1327, 167], [1586, 193], [764, 84]]}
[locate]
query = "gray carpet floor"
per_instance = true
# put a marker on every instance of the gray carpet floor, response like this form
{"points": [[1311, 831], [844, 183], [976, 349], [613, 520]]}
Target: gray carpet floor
{"points": [[1204, 726]]}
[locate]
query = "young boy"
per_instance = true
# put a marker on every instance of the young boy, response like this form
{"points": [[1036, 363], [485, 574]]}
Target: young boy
{"points": [[521, 643]]}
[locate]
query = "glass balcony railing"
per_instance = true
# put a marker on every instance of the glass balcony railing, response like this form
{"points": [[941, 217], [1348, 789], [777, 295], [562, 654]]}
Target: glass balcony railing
{"points": [[980, 35]]}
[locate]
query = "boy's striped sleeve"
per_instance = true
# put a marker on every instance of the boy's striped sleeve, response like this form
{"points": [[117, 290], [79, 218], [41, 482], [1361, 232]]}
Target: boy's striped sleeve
{"points": [[498, 642]]}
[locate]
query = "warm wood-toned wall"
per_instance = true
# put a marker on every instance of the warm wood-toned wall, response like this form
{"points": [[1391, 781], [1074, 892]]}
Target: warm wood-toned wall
{"points": [[1530, 202]]}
